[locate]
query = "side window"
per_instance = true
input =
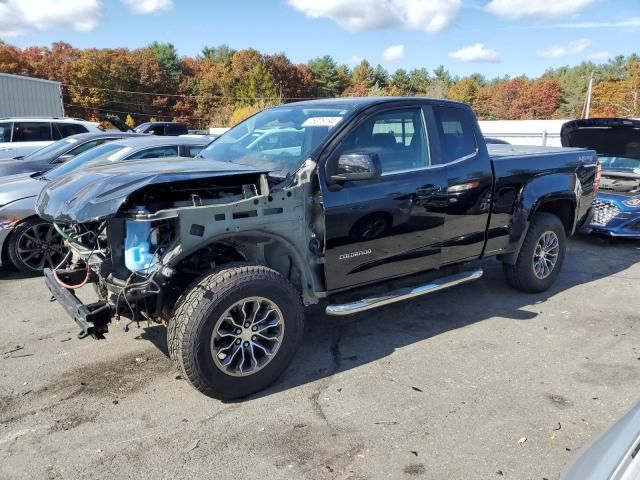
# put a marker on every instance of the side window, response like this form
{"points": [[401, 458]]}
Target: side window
{"points": [[456, 129], [397, 137], [87, 146], [157, 152], [159, 130], [176, 129], [194, 150], [32, 132], [68, 129], [5, 132]]}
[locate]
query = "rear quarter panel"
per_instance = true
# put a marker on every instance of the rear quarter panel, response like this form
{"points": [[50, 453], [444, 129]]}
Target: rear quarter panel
{"points": [[525, 182]]}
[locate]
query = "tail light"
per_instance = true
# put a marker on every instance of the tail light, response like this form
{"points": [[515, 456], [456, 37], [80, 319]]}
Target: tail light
{"points": [[596, 181]]}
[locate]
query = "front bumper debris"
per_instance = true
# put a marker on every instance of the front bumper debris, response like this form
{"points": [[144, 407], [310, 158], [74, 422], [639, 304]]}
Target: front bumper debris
{"points": [[93, 319]]}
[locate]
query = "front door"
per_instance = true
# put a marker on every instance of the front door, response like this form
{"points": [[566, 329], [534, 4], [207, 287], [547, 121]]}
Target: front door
{"points": [[392, 225]]}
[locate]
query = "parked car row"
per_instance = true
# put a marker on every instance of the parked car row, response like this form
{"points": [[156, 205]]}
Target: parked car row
{"points": [[21, 136], [30, 243]]}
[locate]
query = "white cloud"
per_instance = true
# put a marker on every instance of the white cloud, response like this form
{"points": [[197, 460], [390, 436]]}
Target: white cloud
{"points": [[431, 16], [476, 53], [604, 55], [544, 9], [633, 22], [355, 60], [393, 53], [571, 48], [148, 6], [18, 17]]}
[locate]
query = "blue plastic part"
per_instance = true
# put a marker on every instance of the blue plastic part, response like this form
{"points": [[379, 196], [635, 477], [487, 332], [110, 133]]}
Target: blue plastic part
{"points": [[137, 247]]}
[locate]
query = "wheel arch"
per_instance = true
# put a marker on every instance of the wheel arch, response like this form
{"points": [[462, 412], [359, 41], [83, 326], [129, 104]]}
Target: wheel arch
{"points": [[557, 193], [269, 249]]}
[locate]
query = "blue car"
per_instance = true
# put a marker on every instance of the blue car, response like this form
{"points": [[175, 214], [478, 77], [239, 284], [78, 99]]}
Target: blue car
{"points": [[616, 207]]}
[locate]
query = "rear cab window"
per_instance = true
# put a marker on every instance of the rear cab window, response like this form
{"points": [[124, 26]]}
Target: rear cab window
{"points": [[32, 132], [456, 130]]}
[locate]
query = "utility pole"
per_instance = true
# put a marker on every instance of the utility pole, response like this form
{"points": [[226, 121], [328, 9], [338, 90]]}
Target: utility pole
{"points": [[589, 90]]}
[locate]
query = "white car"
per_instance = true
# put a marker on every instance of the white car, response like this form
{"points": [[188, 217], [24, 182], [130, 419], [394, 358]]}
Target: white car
{"points": [[21, 136]]}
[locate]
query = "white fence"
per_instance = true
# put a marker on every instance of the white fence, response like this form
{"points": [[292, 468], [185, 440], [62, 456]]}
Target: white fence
{"points": [[524, 132]]}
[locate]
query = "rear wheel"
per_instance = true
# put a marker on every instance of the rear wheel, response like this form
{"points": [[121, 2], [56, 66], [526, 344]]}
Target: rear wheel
{"points": [[34, 245], [541, 256], [236, 330]]}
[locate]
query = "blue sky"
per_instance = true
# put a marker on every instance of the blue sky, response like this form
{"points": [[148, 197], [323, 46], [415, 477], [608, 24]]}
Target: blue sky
{"points": [[494, 37]]}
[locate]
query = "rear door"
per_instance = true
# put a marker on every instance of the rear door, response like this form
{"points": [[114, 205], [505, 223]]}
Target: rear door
{"points": [[460, 150], [392, 225]]}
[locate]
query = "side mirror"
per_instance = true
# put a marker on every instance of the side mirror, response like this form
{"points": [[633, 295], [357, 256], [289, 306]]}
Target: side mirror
{"points": [[357, 166], [64, 158]]}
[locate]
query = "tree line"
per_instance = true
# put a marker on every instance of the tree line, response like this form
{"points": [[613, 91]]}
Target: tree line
{"points": [[221, 86]]}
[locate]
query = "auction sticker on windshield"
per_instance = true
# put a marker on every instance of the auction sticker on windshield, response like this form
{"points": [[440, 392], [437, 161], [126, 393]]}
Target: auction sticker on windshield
{"points": [[321, 121]]}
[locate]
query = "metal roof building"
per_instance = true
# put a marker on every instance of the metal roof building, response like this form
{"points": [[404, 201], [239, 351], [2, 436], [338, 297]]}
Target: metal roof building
{"points": [[29, 97]]}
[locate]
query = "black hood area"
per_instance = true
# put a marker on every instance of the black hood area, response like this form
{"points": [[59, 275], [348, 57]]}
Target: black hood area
{"points": [[612, 137], [97, 193]]}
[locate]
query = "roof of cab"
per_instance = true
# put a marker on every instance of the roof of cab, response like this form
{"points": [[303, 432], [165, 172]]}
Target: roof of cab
{"points": [[146, 140], [364, 102]]}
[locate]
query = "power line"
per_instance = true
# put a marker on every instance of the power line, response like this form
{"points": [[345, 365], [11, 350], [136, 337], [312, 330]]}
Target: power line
{"points": [[180, 95], [130, 113]]}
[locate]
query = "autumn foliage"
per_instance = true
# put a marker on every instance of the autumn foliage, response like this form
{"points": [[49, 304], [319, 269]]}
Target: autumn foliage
{"points": [[222, 86]]}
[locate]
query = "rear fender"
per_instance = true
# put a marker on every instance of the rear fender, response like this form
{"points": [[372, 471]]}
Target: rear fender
{"points": [[553, 193]]}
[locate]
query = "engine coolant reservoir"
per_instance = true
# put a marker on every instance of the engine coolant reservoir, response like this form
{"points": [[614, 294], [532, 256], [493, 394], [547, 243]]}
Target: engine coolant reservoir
{"points": [[137, 246]]}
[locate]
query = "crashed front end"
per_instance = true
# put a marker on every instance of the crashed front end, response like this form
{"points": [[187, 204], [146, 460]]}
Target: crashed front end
{"points": [[142, 236]]}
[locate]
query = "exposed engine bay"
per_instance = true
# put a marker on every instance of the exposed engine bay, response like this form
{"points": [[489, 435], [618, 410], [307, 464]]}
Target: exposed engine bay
{"points": [[620, 182], [164, 236]]}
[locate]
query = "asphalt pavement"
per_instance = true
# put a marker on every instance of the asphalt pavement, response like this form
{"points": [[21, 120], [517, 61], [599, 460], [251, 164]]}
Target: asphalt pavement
{"points": [[476, 382]]}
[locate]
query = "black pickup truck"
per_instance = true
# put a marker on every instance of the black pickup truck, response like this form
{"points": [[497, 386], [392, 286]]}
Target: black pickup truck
{"points": [[355, 202]]}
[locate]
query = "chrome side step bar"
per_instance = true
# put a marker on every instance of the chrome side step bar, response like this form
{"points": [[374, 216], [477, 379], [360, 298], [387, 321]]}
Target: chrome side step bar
{"points": [[404, 293]]}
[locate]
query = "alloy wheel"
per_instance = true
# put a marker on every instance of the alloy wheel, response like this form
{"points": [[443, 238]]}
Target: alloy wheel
{"points": [[247, 336], [545, 255]]}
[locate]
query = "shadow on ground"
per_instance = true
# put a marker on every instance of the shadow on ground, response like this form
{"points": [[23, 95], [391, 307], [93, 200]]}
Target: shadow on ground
{"points": [[336, 344]]}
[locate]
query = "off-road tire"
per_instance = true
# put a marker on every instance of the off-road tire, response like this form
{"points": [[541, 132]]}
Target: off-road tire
{"points": [[13, 243], [196, 313], [521, 275]]}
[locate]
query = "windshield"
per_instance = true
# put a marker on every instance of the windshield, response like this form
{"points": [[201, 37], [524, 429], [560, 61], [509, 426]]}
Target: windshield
{"points": [[278, 139], [620, 164], [141, 128], [97, 155], [53, 150]]}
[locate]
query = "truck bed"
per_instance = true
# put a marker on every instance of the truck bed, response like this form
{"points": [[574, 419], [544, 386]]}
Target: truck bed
{"points": [[500, 151]]}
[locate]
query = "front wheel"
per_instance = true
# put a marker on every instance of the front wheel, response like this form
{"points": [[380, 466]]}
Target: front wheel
{"points": [[34, 245], [236, 330], [541, 256]]}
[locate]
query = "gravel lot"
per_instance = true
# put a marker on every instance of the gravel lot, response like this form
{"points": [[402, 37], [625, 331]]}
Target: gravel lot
{"points": [[478, 381]]}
